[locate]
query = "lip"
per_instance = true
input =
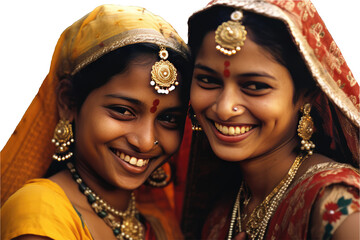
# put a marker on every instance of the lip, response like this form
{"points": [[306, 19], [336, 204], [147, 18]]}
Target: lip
{"points": [[229, 138], [127, 166]]}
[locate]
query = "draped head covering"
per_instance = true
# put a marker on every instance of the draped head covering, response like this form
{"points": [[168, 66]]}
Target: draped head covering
{"points": [[28, 153], [338, 103]]}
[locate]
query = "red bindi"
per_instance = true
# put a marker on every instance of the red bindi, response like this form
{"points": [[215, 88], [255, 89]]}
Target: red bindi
{"points": [[226, 73], [154, 107], [226, 70]]}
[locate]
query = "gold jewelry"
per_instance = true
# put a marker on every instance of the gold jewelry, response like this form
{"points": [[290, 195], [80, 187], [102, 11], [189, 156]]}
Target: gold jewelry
{"points": [[158, 178], [163, 74], [259, 218], [195, 125], [306, 128], [63, 137], [129, 228], [231, 35]]}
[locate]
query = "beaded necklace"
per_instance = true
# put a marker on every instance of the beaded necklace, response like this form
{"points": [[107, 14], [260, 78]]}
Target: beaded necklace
{"points": [[128, 228], [259, 218]]}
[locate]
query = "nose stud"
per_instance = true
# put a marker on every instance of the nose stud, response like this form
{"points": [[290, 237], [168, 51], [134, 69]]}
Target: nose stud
{"points": [[156, 142], [235, 109]]}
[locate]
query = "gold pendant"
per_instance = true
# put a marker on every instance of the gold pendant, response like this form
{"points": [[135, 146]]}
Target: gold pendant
{"points": [[131, 228], [163, 74], [231, 35]]}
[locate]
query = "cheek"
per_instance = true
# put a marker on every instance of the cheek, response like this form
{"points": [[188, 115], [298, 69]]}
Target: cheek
{"points": [[170, 141], [201, 99]]}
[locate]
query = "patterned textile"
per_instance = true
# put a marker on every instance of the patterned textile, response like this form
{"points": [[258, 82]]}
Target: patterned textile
{"points": [[333, 190]]}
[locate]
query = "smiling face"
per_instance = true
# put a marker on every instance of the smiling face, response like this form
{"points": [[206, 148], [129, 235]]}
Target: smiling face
{"points": [[119, 122], [244, 103]]}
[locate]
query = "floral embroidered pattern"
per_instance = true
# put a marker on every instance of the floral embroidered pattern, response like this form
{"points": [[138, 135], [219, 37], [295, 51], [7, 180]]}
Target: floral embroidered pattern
{"points": [[336, 212], [307, 9], [351, 79], [318, 32], [334, 58]]}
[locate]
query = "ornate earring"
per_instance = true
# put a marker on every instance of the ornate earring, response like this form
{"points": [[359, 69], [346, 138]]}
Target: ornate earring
{"points": [[63, 137], [231, 35], [195, 125], [305, 129], [163, 74], [158, 178]]}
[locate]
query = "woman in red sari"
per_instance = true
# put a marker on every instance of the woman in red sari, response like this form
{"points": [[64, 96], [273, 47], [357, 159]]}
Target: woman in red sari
{"points": [[278, 107]]}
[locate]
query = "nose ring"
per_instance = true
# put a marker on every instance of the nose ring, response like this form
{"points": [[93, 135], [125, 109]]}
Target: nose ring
{"points": [[156, 142]]}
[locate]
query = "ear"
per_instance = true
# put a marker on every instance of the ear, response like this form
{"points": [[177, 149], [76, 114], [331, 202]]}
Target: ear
{"points": [[65, 101], [308, 96]]}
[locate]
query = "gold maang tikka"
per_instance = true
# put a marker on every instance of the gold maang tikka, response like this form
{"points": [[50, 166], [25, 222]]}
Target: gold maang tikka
{"points": [[231, 35], [163, 74]]}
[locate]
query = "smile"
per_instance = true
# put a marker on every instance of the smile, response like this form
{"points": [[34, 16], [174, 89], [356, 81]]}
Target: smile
{"points": [[232, 130], [138, 162]]}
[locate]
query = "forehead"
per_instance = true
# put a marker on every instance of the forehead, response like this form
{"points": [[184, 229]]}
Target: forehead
{"points": [[249, 53], [135, 83]]}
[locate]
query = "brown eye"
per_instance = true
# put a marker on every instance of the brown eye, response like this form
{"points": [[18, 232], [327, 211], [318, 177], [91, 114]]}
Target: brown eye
{"points": [[121, 113], [256, 86]]}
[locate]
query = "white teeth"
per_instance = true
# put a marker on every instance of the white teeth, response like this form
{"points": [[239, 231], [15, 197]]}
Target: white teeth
{"points": [[242, 129], [132, 160], [232, 130], [140, 163], [237, 131]]}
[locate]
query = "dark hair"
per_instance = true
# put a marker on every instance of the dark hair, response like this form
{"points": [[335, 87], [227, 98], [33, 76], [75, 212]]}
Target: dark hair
{"points": [[270, 34], [100, 72]]}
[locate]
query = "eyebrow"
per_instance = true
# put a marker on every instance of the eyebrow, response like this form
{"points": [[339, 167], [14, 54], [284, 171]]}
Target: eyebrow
{"points": [[205, 68], [132, 100], [248, 74], [137, 102]]}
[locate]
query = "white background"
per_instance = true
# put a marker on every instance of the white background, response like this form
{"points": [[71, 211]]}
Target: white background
{"points": [[30, 29]]}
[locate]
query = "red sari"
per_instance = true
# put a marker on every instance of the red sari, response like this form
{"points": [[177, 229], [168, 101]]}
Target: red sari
{"points": [[293, 215]]}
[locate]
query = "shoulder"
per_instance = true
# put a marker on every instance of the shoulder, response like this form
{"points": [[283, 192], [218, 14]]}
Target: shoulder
{"points": [[325, 174], [40, 207], [333, 206], [295, 210]]}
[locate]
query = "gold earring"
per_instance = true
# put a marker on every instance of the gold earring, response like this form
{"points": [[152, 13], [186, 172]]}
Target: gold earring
{"points": [[306, 129], [163, 74], [158, 178], [195, 125], [63, 137], [231, 35]]}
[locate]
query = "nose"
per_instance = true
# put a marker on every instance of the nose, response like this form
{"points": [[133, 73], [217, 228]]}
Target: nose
{"points": [[142, 138], [229, 103]]}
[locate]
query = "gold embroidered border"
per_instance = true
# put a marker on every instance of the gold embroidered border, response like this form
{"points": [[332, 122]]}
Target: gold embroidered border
{"points": [[123, 39]]}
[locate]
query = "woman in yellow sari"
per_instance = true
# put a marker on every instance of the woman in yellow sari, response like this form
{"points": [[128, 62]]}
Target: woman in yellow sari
{"points": [[116, 95]]}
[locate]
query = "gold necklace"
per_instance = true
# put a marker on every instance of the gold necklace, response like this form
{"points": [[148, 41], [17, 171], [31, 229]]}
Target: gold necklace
{"points": [[260, 216], [129, 228]]}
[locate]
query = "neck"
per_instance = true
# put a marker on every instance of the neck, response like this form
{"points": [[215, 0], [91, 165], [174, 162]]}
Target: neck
{"points": [[264, 172], [115, 197]]}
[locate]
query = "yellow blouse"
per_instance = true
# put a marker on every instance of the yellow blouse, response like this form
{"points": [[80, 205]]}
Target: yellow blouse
{"points": [[41, 208]]}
